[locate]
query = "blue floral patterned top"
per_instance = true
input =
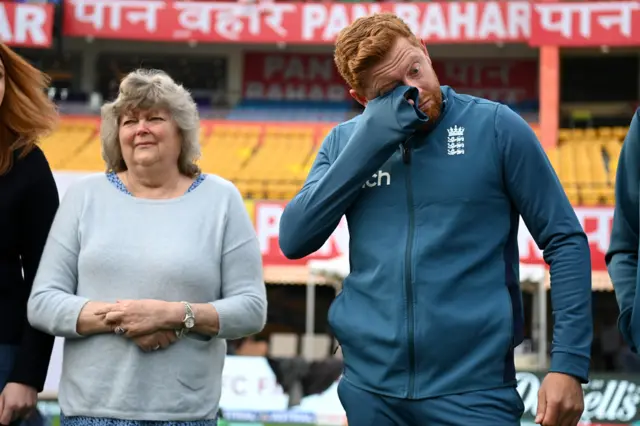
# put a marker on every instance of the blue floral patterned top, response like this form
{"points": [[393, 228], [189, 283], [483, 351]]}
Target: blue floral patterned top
{"points": [[100, 421], [115, 180]]}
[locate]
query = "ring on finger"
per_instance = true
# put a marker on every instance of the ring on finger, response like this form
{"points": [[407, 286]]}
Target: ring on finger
{"points": [[119, 330], [156, 347]]}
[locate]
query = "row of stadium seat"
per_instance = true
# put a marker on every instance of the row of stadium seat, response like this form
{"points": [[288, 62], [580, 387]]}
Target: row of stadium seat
{"points": [[586, 161], [272, 160], [264, 161]]}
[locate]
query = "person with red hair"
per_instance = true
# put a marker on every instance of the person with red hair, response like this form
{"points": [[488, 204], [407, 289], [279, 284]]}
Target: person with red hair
{"points": [[29, 201]]}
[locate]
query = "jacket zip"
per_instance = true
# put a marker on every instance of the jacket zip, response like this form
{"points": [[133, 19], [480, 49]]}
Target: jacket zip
{"points": [[408, 276]]}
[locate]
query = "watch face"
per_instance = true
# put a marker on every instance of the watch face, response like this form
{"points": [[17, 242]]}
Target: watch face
{"points": [[189, 322]]}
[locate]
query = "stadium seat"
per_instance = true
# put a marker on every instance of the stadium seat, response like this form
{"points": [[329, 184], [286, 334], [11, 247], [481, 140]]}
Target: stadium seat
{"points": [[586, 161], [68, 141], [88, 157], [227, 147], [567, 170], [279, 160]]}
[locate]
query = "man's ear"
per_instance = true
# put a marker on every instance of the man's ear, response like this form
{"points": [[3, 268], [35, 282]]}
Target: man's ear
{"points": [[358, 98]]}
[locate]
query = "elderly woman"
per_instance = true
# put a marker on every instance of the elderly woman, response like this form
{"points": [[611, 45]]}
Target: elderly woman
{"points": [[148, 269]]}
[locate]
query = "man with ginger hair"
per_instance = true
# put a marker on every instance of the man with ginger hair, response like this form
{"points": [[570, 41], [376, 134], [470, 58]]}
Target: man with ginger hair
{"points": [[432, 183]]}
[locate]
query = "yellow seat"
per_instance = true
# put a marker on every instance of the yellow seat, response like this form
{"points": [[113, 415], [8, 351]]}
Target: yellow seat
{"points": [[227, 147], [68, 141], [586, 161], [280, 159]]}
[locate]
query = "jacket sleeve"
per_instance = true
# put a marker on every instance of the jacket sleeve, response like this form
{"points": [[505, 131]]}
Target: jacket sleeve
{"points": [[622, 256], [538, 196], [335, 179], [38, 211]]}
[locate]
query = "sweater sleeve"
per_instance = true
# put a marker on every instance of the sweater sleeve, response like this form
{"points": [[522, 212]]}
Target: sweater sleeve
{"points": [[622, 256], [34, 221], [242, 308], [53, 305], [540, 199]]}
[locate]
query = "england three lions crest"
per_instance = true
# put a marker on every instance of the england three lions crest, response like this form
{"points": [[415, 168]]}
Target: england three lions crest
{"points": [[455, 141]]}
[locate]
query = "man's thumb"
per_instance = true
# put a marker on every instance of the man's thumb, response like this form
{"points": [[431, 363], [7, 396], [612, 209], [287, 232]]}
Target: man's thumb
{"points": [[542, 407]]}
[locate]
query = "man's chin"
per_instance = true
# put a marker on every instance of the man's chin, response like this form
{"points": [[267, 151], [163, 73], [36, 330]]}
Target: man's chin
{"points": [[432, 110]]}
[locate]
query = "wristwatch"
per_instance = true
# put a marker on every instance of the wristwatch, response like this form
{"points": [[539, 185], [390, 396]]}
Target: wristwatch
{"points": [[188, 322]]}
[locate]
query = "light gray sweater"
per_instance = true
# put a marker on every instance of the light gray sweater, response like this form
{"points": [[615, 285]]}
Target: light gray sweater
{"points": [[106, 245]]}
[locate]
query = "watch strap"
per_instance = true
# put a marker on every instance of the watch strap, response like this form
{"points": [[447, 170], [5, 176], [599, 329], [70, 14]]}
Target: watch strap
{"points": [[188, 314]]}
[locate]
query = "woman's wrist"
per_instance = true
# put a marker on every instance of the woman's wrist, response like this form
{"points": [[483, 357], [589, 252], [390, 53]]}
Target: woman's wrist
{"points": [[89, 323], [173, 316]]}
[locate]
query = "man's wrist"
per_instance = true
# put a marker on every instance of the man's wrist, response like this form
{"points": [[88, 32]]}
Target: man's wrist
{"points": [[577, 379]]}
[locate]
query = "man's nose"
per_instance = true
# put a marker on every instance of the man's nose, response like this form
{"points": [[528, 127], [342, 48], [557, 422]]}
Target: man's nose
{"points": [[412, 83]]}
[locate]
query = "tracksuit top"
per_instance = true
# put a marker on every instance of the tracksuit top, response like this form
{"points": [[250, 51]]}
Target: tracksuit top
{"points": [[622, 256], [432, 305]]}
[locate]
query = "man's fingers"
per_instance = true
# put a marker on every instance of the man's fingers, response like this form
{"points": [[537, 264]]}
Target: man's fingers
{"points": [[551, 414], [575, 420], [570, 417], [542, 407]]}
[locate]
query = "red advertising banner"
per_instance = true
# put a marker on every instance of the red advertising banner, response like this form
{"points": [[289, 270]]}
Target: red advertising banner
{"points": [[582, 24], [26, 24], [319, 23], [571, 23], [292, 77], [596, 222], [313, 77], [503, 80]]}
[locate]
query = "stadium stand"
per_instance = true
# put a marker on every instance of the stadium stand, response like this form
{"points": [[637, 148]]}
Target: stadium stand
{"points": [[271, 160]]}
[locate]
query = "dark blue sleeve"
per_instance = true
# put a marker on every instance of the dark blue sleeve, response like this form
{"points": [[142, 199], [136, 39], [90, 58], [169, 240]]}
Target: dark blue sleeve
{"points": [[41, 203], [336, 178], [622, 256], [538, 196]]}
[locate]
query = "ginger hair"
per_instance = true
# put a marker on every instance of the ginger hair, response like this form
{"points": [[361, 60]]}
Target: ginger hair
{"points": [[26, 112], [363, 44]]}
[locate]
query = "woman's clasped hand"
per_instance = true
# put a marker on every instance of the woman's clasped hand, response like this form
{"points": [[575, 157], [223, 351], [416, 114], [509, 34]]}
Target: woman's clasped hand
{"points": [[146, 322]]}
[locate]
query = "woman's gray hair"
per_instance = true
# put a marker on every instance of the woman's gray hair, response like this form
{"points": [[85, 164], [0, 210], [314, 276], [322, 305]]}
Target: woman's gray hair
{"points": [[145, 89]]}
